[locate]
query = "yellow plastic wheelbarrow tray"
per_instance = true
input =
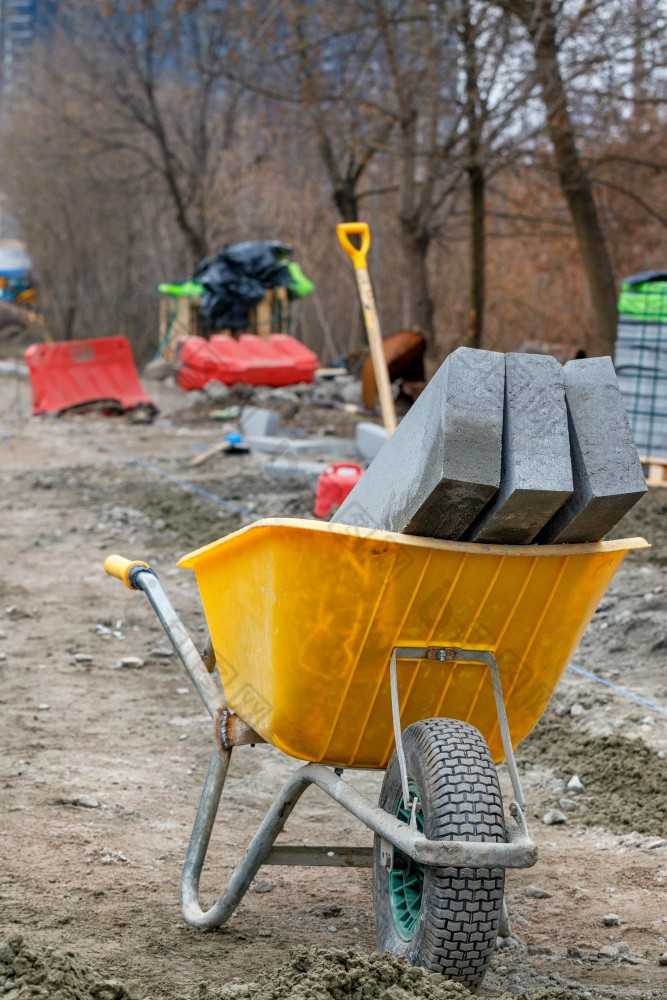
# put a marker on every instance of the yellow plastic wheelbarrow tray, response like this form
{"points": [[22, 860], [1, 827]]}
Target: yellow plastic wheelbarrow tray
{"points": [[304, 616]]}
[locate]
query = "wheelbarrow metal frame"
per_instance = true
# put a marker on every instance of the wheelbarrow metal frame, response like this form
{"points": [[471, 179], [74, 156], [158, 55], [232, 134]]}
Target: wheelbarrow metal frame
{"points": [[518, 852]]}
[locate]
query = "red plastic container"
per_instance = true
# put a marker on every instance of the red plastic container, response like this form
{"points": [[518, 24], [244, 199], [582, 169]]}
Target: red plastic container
{"points": [[334, 485], [280, 360]]}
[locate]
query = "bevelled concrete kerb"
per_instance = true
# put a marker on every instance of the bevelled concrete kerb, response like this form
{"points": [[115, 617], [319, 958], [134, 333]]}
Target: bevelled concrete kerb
{"points": [[442, 464], [608, 476], [536, 468]]}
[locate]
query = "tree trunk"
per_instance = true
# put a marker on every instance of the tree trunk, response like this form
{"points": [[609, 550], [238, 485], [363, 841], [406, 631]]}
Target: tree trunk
{"points": [[347, 200], [572, 176], [477, 190], [420, 303], [476, 179]]}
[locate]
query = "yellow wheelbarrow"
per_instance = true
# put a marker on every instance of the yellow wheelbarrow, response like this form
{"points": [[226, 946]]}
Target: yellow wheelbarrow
{"points": [[348, 647]]}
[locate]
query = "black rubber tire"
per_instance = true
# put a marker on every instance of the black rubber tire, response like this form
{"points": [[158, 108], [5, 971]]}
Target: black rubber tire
{"points": [[456, 930]]}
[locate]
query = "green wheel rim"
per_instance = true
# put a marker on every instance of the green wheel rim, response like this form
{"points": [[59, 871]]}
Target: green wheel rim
{"points": [[406, 887]]}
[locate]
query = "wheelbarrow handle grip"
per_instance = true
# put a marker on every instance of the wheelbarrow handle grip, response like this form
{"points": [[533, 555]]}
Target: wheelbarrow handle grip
{"points": [[347, 229], [120, 567]]}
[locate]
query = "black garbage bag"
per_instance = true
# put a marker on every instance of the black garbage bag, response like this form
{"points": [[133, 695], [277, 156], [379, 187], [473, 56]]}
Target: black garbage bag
{"points": [[237, 278]]}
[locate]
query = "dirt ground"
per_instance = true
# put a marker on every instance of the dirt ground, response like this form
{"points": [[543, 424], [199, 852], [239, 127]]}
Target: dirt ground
{"points": [[101, 766]]}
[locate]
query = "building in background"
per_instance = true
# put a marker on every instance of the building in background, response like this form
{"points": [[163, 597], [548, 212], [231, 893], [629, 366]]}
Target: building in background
{"points": [[21, 22]]}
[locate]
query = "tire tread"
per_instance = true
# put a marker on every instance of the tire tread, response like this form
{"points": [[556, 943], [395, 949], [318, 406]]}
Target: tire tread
{"points": [[458, 925]]}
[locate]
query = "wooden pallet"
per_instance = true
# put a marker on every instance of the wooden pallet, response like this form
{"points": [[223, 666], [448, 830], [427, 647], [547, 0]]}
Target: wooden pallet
{"points": [[655, 470]]}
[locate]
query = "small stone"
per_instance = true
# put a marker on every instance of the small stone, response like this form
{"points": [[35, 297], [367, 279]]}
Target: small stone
{"points": [[83, 658], [554, 817], [43, 708], [568, 805], [332, 929], [577, 709], [3, 635], [163, 652], [86, 802], [217, 391], [503, 943], [608, 951], [330, 910], [262, 885], [663, 959], [611, 920], [532, 892], [130, 663], [183, 736], [182, 690], [653, 845], [575, 785], [623, 948], [574, 952], [3, 657]]}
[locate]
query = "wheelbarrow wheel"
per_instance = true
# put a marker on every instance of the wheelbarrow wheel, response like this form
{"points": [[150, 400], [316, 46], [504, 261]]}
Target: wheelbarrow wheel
{"points": [[445, 919]]}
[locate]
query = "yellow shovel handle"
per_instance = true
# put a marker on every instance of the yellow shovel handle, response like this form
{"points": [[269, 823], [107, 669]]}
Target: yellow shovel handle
{"points": [[347, 229], [120, 567]]}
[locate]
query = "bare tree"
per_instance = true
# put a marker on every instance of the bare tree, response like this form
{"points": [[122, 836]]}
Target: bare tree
{"points": [[542, 22], [336, 80], [151, 75], [419, 48]]}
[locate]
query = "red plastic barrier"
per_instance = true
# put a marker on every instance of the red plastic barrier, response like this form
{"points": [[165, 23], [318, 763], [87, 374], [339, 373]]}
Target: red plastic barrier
{"points": [[73, 372], [280, 360]]}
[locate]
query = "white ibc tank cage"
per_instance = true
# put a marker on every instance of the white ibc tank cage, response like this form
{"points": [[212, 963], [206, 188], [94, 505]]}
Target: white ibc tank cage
{"points": [[641, 359]]}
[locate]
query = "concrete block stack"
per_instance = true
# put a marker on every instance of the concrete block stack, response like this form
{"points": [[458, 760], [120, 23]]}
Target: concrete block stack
{"points": [[506, 449]]}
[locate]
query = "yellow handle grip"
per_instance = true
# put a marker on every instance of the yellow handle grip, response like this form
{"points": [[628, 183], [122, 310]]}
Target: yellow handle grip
{"points": [[347, 229], [120, 567]]}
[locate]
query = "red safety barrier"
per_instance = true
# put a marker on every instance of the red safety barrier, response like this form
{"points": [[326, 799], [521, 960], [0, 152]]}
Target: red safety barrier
{"points": [[74, 372], [280, 360]]}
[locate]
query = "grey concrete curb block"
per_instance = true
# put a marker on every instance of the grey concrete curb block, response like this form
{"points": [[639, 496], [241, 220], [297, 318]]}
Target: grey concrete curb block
{"points": [[290, 469], [442, 465], [330, 447], [369, 438], [257, 422], [536, 466], [608, 477]]}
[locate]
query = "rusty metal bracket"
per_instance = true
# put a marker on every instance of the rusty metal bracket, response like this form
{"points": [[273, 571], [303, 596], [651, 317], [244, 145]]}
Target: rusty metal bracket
{"points": [[231, 731]]}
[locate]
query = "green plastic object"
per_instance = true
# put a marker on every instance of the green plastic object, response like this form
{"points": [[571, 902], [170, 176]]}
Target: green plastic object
{"points": [[644, 301], [189, 287], [300, 285], [406, 887]]}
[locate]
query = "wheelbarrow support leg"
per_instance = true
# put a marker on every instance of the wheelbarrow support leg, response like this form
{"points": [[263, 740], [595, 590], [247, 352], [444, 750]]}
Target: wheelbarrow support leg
{"points": [[253, 858], [201, 833]]}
